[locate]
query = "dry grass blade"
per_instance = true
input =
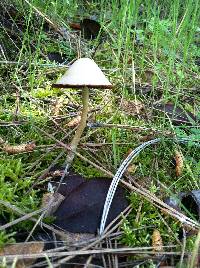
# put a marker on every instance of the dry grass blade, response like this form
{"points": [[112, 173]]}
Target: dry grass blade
{"points": [[161, 205], [193, 261], [23, 218], [123, 250], [109, 230], [18, 211]]}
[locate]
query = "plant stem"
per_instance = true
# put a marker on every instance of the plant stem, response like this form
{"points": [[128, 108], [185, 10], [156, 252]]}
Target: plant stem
{"points": [[76, 139]]}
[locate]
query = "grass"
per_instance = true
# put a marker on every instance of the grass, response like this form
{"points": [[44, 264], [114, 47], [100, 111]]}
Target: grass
{"points": [[163, 43]]}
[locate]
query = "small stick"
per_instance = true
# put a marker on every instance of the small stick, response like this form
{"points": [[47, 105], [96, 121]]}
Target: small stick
{"points": [[23, 218], [135, 128], [55, 27], [16, 210], [136, 250]]}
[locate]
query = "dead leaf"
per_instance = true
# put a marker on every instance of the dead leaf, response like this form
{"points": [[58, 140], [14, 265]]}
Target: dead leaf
{"points": [[143, 88], [81, 210], [177, 115], [148, 137], [51, 201], [74, 122], [90, 28], [131, 169], [157, 243], [57, 57], [57, 106], [16, 149], [148, 76], [22, 249], [133, 107], [75, 26], [179, 163]]}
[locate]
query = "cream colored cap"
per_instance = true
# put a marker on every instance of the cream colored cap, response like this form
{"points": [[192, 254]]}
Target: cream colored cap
{"points": [[83, 72]]}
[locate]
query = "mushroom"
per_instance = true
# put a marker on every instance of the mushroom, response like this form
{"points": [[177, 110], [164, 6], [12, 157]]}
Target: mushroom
{"points": [[85, 74]]}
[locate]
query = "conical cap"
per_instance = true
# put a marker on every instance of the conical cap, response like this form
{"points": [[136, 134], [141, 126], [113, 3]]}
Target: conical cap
{"points": [[83, 72]]}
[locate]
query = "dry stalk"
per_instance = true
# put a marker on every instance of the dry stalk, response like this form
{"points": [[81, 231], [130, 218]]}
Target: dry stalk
{"points": [[124, 250], [18, 211]]}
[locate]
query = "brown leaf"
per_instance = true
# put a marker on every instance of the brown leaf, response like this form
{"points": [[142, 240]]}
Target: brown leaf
{"points": [[22, 249], [148, 76], [57, 106], [134, 107], [131, 168], [16, 149], [56, 56], [177, 115], [51, 201], [74, 122], [148, 137], [90, 28], [75, 26], [179, 163], [157, 243]]}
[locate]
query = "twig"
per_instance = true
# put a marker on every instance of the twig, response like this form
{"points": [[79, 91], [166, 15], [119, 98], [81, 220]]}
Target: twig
{"points": [[20, 212], [8, 124], [76, 153], [16, 149], [87, 264], [53, 25], [23, 218], [134, 128], [109, 230], [137, 250], [90, 144], [194, 258], [183, 248]]}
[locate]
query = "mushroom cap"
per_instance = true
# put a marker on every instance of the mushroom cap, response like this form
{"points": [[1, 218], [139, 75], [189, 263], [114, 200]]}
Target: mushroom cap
{"points": [[82, 73]]}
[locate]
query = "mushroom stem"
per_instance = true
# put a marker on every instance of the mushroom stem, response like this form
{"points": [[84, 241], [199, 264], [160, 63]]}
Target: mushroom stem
{"points": [[81, 127]]}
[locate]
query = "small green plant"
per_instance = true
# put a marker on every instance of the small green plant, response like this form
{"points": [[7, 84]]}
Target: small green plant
{"points": [[6, 238], [144, 218]]}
